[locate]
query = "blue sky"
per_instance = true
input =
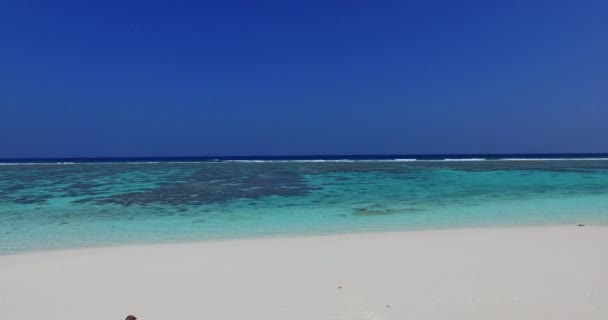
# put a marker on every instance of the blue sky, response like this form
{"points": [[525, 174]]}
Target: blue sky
{"points": [[146, 78]]}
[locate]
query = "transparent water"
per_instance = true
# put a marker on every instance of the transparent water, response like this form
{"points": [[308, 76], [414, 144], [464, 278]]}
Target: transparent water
{"points": [[51, 206]]}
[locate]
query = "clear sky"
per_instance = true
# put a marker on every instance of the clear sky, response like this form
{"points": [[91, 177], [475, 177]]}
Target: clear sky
{"points": [[174, 78]]}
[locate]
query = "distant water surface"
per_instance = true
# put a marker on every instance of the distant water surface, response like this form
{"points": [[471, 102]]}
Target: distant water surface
{"points": [[66, 204]]}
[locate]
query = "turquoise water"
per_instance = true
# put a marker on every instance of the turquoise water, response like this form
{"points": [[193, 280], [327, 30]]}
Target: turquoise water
{"points": [[53, 206]]}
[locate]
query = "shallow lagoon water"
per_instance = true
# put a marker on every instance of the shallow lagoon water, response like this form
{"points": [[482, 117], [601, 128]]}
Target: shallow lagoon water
{"points": [[56, 206]]}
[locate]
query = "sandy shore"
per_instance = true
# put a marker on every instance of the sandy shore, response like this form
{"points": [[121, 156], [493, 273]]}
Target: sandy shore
{"points": [[513, 273]]}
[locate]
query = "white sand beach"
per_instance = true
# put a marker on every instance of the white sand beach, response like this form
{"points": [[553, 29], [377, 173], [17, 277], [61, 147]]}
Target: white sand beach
{"points": [[504, 273]]}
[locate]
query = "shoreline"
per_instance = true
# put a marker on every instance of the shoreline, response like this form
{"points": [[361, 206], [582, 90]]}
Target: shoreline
{"points": [[526, 272], [311, 235]]}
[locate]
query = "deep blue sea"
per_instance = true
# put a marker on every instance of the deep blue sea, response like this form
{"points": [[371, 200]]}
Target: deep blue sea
{"points": [[68, 203]]}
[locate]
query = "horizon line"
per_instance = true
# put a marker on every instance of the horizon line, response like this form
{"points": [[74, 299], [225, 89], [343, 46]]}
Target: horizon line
{"points": [[309, 155]]}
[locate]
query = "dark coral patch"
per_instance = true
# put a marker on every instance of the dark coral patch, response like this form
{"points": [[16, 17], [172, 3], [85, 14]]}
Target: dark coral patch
{"points": [[365, 212]]}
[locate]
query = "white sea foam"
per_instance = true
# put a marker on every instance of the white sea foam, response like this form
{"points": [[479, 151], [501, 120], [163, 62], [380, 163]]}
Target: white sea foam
{"points": [[305, 161], [293, 160], [465, 159], [407, 160], [552, 159], [186, 162], [324, 160]]}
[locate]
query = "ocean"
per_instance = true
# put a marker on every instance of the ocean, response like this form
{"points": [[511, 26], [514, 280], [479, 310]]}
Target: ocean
{"points": [[70, 203]]}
